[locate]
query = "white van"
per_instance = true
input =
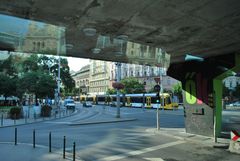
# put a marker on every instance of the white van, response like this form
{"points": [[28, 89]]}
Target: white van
{"points": [[69, 103]]}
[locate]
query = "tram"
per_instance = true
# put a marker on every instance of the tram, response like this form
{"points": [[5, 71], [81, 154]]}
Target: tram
{"points": [[141, 100]]}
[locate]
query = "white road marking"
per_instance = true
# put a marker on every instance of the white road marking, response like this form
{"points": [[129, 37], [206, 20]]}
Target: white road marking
{"points": [[154, 159], [55, 122], [145, 150]]}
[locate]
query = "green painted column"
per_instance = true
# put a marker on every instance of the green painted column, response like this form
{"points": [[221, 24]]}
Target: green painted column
{"points": [[217, 88], [218, 92]]}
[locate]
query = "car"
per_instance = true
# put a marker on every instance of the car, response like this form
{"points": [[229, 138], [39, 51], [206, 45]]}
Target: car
{"points": [[87, 104], [235, 104], [69, 103]]}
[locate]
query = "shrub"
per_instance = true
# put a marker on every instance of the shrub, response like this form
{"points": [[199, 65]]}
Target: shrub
{"points": [[15, 113], [46, 111]]}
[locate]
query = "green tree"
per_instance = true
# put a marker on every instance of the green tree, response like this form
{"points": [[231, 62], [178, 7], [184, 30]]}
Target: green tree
{"points": [[111, 91], [31, 63], [7, 85], [46, 63], [7, 67], [132, 85], [66, 78], [177, 90], [38, 83]]}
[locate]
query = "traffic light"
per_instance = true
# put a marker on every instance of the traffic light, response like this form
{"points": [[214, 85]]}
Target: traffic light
{"points": [[158, 97], [157, 88]]}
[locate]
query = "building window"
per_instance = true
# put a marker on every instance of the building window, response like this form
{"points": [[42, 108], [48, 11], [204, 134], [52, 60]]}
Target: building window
{"points": [[131, 52], [34, 46], [38, 46]]}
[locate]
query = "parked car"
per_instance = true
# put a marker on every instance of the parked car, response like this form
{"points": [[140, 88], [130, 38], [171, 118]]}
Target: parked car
{"points": [[69, 103]]}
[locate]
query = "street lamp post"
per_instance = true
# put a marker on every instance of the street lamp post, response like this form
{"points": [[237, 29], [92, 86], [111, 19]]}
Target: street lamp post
{"points": [[163, 61], [58, 53], [118, 65]]}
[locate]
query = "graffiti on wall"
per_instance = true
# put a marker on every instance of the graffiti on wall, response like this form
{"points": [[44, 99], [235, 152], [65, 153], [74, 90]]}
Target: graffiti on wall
{"points": [[196, 90]]}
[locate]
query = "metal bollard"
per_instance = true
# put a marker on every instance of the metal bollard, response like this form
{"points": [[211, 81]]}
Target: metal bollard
{"points": [[15, 136], [2, 120], [25, 117], [50, 142], [15, 117], [64, 146], [74, 148], [34, 134], [35, 117]]}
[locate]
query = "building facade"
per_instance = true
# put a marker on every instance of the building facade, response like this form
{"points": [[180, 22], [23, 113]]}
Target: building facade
{"points": [[81, 79], [231, 82], [99, 80], [102, 73], [41, 38]]}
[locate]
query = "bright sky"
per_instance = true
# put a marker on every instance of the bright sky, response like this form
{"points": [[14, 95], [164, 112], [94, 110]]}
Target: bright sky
{"points": [[76, 64]]}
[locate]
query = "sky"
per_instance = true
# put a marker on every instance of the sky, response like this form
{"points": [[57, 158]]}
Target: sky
{"points": [[76, 64]]}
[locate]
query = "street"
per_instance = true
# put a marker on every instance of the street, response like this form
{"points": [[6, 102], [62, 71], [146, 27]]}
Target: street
{"points": [[127, 140]]}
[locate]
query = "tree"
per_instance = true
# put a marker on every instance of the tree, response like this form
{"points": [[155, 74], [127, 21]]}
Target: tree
{"points": [[177, 90], [31, 74], [132, 85], [7, 67], [111, 91], [38, 83], [7, 85], [31, 64], [66, 78], [46, 63]]}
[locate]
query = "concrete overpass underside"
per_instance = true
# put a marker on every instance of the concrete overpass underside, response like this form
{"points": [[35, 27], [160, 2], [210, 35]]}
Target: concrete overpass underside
{"points": [[207, 28]]}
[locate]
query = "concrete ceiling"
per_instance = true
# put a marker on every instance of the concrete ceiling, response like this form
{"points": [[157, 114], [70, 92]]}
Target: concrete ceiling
{"points": [[200, 27]]}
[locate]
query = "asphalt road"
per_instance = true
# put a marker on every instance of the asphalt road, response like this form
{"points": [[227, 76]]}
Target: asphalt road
{"points": [[132, 140]]}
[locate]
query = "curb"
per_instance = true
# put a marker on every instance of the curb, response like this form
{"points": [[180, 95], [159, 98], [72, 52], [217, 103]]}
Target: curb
{"points": [[101, 122]]}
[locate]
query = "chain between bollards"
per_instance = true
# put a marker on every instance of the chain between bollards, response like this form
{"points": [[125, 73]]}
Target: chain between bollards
{"points": [[15, 136], [64, 146], [74, 151], [34, 134], [50, 142]]}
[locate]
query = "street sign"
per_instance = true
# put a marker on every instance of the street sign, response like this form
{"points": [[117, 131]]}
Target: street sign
{"points": [[235, 136], [157, 79]]}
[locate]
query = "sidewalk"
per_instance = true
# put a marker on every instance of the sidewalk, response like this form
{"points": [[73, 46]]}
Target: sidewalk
{"points": [[26, 152], [6, 122], [180, 134]]}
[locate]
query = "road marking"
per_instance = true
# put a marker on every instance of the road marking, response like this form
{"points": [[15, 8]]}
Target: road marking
{"points": [[145, 150], [154, 159], [52, 122]]}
